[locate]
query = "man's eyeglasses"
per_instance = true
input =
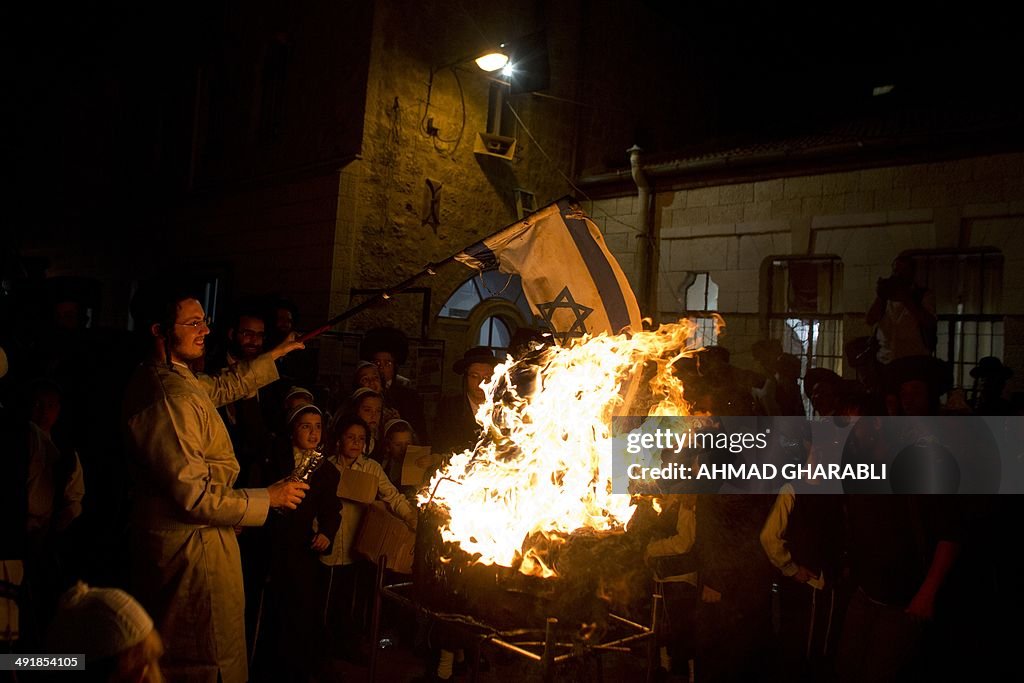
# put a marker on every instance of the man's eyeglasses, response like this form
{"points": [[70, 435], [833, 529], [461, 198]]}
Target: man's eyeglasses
{"points": [[196, 324]]}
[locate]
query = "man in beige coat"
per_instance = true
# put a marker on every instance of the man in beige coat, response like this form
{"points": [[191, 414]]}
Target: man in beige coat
{"points": [[187, 571]]}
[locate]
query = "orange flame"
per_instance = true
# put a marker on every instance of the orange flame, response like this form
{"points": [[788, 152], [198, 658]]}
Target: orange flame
{"points": [[543, 468]]}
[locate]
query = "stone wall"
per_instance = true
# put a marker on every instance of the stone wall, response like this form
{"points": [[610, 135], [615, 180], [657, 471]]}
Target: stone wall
{"points": [[866, 217], [382, 233]]}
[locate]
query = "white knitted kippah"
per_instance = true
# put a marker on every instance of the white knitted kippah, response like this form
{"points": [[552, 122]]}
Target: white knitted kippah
{"points": [[394, 422], [98, 622], [299, 410], [298, 391]]}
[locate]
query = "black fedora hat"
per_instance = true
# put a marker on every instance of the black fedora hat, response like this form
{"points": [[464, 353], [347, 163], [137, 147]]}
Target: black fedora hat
{"points": [[815, 376], [990, 366], [477, 354]]}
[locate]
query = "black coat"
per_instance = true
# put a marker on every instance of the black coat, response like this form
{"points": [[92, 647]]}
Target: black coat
{"points": [[455, 429], [294, 609], [404, 398], [293, 530]]}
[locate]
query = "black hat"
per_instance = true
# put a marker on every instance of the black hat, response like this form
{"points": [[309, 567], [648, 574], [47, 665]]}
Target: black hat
{"points": [[990, 366], [817, 375], [477, 354], [386, 339]]}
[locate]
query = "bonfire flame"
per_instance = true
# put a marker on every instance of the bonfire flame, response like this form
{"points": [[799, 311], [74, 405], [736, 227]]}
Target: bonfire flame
{"points": [[543, 467]]}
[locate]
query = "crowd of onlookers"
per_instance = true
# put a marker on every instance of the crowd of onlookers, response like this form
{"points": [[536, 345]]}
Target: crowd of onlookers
{"points": [[779, 587], [801, 586], [75, 487]]}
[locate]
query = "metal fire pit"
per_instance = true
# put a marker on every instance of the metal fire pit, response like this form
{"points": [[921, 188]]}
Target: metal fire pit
{"points": [[539, 620]]}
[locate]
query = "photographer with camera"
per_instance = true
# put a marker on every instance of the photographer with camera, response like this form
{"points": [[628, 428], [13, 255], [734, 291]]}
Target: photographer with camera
{"points": [[903, 314]]}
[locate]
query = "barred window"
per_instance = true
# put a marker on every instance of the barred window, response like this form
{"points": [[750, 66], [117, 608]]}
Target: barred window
{"points": [[803, 309], [700, 297], [967, 285]]}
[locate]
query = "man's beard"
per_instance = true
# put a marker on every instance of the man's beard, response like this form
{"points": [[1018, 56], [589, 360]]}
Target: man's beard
{"points": [[241, 352], [184, 349]]}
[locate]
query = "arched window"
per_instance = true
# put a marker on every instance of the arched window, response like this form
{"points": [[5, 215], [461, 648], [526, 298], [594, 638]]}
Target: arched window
{"points": [[494, 333], [486, 285], [493, 305]]}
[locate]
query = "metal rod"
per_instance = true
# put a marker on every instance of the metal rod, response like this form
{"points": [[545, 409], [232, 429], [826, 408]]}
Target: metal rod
{"points": [[519, 650], [549, 646], [378, 589], [549, 660], [539, 643], [630, 639], [429, 269], [392, 586], [518, 632], [652, 645], [628, 622]]}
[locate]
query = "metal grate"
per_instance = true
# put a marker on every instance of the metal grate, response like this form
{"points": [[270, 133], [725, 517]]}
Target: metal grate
{"points": [[817, 342], [705, 334], [803, 311], [964, 339], [967, 286]]}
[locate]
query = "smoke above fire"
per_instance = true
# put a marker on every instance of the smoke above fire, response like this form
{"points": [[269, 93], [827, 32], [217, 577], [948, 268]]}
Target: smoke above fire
{"points": [[543, 467]]}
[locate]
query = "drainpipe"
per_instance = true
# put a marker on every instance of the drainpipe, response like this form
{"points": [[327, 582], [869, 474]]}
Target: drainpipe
{"points": [[647, 246]]}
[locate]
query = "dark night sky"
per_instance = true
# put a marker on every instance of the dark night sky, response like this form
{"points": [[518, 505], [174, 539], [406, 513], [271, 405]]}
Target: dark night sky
{"points": [[764, 69], [97, 84]]}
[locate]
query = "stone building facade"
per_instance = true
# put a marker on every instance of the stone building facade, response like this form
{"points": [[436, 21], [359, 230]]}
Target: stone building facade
{"points": [[324, 151], [960, 209]]}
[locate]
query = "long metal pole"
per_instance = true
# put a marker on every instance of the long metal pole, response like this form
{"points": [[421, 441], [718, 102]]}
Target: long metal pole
{"points": [[378, 587], [549, 650], [374, 300], [430, 269]]}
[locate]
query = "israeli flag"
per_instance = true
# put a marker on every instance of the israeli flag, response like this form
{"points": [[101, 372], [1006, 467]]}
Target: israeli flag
{"points": [[569, 277]]}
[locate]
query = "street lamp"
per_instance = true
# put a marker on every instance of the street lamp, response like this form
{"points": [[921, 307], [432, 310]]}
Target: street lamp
{"points": [[492, 61]]}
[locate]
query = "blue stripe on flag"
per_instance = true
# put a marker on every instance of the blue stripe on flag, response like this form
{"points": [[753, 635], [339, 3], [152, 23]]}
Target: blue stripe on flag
{"points": [[600, 270], [484, 255]]}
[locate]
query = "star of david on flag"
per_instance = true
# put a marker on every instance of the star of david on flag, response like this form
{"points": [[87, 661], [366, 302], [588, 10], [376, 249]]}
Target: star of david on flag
{"points": [[569, 277]]}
